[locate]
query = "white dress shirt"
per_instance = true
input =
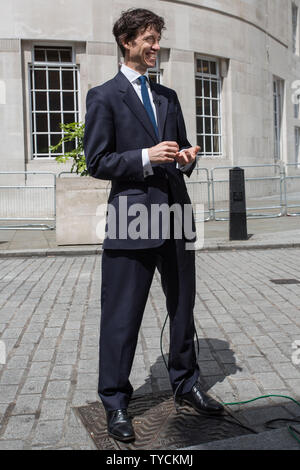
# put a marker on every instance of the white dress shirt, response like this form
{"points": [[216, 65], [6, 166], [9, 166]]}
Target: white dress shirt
{"points": [[132, 76]]}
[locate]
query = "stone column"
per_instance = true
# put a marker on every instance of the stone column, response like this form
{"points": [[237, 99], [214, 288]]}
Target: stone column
{"points": [[11, 107]]}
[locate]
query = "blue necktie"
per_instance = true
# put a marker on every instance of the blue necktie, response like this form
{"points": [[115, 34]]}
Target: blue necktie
{"points": [[146, 101]]}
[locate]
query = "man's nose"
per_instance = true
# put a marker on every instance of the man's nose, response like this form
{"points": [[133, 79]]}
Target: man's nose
{"points": [[156, 46]]}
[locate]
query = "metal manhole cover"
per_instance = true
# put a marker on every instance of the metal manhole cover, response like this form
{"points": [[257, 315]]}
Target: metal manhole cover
{"points": [[157, 425], [285, 281]]}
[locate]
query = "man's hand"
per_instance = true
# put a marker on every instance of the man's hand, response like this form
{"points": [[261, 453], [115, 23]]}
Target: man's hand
{"points": [[163, 153], [187, 155]]}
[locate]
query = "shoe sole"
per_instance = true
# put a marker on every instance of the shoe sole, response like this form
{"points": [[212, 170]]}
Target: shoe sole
{"points": [[215, 413], [122, 439]]}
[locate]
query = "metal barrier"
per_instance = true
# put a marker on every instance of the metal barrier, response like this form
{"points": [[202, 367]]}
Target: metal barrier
{"points": [[27, 202], [288, 198], [280, 178], [196, 194]]}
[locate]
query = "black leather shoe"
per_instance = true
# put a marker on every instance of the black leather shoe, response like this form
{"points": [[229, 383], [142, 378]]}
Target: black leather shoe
{"points": [[200, 401], [119, 425]]}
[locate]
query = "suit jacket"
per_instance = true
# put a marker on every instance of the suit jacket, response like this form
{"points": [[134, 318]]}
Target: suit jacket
{"points": [[117, 128]]}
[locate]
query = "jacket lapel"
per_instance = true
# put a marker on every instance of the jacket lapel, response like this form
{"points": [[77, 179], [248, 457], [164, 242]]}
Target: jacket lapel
{"points": [[135, 105], [161, 105]]}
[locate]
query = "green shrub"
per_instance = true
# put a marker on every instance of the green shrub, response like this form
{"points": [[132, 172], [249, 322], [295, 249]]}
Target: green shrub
{"points": [[73, 132]]}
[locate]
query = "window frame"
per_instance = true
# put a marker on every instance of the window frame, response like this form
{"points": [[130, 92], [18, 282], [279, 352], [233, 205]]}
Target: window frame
{"points": [[295, 28], [61, 66], [157, 71], [278, 97], [216, 78], [297, 145]]}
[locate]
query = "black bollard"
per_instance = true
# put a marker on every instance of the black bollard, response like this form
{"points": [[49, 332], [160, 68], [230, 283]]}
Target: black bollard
{"points": [[237, 211]]}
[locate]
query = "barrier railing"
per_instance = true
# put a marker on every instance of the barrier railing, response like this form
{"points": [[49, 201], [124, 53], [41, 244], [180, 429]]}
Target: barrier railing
{"points": [[200, 196], [25, 201], [278, 178], [289, 197]]}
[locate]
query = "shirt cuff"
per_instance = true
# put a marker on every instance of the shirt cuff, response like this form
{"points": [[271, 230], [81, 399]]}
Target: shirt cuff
{"points": [[184, 167], [147, 167]]}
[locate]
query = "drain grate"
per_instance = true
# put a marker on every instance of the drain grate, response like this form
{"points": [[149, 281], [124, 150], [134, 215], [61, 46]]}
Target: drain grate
{"points": [[285, 281], [157, 425]]}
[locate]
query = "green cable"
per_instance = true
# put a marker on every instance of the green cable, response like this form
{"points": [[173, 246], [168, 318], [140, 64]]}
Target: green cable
{"points": [[263, 396], [291, 430]]}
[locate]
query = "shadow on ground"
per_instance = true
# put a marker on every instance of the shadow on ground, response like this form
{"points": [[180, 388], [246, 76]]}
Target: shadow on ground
{"points": [[158, 425]]}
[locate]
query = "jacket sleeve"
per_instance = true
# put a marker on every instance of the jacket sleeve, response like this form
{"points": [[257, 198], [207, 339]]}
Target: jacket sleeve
{"points": [[102, 160], [182, 138]]}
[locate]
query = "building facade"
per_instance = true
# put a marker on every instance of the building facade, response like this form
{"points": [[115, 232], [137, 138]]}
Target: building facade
{"points": [[234, 63]]}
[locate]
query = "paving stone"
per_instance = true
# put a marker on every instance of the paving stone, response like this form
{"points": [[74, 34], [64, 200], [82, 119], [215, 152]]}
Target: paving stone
{"points": [[17, 362], [264, 342], [52, 332], [270, 380], [259, 364], [11, 377], [11, 444], [13, 333], [68, 346], [53, 409], [26, 404], [48, 432], [85, 381], [39, 369], [30, 337], [262, 414], [249, 350], [33, 385], [18, 427], [246, 389], [43, 355], [287, 371], [58, 389], [63, 358], [89, 353], [8, 393], [61, 372]]}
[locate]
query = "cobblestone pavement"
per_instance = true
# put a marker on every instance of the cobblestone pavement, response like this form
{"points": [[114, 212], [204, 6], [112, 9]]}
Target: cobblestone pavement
{"points": [[49, 322]]}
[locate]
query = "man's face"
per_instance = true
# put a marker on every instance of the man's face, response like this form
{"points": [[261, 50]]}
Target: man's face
{"points": [[141, 52]]}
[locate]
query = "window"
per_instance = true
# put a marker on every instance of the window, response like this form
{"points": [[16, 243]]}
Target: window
{"points": [[155, 72], [297, 108], [54, 98], [208, 107], [295, 28], [278, 102], [297, 145]]}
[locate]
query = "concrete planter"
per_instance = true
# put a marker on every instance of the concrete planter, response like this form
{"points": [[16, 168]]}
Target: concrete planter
{"points": [[80, 210]]}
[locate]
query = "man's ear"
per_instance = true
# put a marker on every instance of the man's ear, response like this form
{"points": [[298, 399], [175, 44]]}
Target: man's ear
{"points": [[126, 44]]}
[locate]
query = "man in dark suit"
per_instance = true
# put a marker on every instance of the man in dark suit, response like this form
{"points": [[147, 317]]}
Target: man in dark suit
{"points": [[135, 136]]}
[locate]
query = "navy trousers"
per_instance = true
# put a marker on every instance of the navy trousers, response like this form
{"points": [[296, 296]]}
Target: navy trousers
{"points": [[126, 281]]}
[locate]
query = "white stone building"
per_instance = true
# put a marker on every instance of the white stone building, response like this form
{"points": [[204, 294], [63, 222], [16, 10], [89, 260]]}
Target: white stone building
{"points": [[234, 64]]}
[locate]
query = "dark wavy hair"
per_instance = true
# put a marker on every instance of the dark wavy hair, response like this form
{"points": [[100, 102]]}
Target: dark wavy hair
{"points": [[135, 21]]}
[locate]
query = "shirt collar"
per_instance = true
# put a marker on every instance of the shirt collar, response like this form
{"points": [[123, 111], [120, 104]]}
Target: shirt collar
{"points": [[130, 74]]}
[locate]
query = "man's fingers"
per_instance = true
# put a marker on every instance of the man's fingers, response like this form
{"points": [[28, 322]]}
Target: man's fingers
{"points": [[184, 156], [171, 145]]}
